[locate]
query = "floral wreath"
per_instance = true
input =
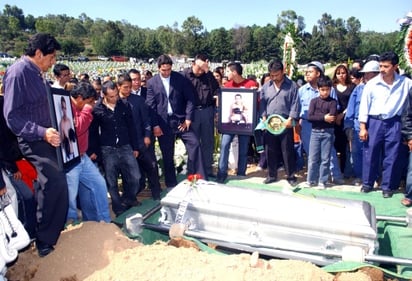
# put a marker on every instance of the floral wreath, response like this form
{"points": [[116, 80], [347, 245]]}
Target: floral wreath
{"points": [[408, 46], [407, 20]]}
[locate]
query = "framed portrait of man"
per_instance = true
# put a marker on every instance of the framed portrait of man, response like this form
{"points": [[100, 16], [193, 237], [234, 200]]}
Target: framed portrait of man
{"points": [[237, 111], [68, 154]]}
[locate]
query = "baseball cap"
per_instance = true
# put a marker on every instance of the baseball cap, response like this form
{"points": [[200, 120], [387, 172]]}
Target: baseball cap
{"points": [[318, 65], [370, 66]]}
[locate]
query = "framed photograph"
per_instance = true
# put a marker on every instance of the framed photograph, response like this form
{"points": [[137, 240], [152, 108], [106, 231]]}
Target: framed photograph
{"points": [[237, 111], [68, 154]]}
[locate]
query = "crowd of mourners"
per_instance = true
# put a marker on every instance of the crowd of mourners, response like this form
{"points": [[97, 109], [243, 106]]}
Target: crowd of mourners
{"points": [[68, 143]]}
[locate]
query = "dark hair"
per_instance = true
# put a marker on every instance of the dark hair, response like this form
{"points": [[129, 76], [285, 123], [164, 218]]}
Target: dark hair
{"points": [[335, 79], [262, 80], [148, 72], [46, 43], [58, 68], [164, 59], [275, 65], [85, 77], [84, 90], [201, 57], [134, 71], [359, 61], [252, 77], [123, 78], [74, 80], [325, 81], [235, 66], [62, 100], [356, 73], [109, 84], [389, 56], [220, 69], [374, 57]]}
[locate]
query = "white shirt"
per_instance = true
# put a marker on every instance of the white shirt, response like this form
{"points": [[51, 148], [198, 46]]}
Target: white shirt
{"points": [[166, 84], [379, 98]]}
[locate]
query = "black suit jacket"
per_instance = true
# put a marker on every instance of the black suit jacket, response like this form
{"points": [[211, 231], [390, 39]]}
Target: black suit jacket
{"points": [[181, 99], [143, 92]]}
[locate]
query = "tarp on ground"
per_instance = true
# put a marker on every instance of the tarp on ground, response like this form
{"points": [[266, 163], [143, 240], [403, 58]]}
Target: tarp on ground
{"points": [[395, 239]]}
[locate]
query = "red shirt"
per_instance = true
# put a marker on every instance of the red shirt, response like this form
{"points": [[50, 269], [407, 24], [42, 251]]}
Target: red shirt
{"points": [[247, 83], [82, 120]]}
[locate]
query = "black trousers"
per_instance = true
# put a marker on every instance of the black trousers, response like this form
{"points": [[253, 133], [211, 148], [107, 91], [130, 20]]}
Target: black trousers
{"points": [[52, 192], [278, 148], [149, 169], [195, 162]]}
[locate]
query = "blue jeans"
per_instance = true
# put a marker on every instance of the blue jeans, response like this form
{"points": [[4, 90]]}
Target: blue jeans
{"points": [[357, 151], [305, 135], [224, 154], [300, 162], [85, 179], [321, 142], [408, 189], [120, 160]]}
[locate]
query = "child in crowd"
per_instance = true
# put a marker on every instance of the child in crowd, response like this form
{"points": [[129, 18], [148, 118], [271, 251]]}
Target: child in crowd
{"points": [[322, 114]]}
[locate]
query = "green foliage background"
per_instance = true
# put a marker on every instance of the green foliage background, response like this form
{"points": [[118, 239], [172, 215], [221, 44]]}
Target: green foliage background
{"points": [[331, 40]]}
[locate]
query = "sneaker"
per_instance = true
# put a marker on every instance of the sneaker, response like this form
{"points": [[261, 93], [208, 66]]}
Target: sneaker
{"points": [[320, 186], [258, 169], [307, 184]]}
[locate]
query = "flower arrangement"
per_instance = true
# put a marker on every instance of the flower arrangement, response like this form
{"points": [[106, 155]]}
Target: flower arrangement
{"points": [[405, 42], [192, 178], [408, 46]]}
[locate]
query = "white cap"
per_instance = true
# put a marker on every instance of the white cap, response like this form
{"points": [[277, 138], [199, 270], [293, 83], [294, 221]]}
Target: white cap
{"points": [[370, 66], [318, 65]]}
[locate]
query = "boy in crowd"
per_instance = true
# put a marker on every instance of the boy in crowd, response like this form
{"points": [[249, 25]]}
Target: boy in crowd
{"points": [[322, 114]]}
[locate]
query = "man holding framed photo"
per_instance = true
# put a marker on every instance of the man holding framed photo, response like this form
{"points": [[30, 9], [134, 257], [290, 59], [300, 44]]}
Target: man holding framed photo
{"points": [[236, 80], [27, 112]]}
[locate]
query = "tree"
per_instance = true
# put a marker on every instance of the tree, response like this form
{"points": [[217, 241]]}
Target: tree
{"points": [[46, 25], [241, 36], [30, 22], [14, 11], [72, 46], [219, 42], [352, 38], [192, 29], [107, 38], [288, 18], [75, 28]]}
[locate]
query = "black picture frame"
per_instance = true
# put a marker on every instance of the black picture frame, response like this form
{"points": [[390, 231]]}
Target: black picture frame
{"points": [[68, 153], [235, 121]]}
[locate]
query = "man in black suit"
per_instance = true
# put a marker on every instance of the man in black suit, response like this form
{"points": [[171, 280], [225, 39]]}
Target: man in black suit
{"points": [[170, 98], [137, 88]]}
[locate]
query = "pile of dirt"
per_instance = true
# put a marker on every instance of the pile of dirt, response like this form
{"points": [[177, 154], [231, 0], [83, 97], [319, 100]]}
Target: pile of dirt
{"points": [[101, 251]]}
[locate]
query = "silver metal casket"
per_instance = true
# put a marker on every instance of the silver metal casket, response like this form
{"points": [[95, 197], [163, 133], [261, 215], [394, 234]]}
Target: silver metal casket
{"points": [[273, 223]]}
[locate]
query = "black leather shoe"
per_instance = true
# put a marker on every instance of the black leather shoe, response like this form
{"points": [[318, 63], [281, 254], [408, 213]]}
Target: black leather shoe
{"points": [[269, 180], [387, 194], [292, 181], [366, 189], [130, 204], [43, 248], [221, 179]]}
